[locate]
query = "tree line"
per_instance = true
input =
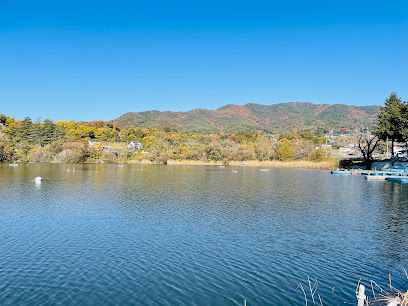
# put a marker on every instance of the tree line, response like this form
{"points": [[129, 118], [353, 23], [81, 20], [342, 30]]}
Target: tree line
{"points": [[67, 141]]}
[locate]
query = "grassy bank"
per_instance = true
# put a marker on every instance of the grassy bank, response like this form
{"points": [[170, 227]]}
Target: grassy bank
{"points": [[300, 164]]}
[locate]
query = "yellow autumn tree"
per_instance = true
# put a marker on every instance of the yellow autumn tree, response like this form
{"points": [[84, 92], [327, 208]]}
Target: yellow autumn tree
{"points": [[285, 149]]}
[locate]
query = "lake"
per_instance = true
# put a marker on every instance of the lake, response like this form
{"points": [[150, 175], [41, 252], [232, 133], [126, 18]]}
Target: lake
{"points": [[178, 235]]}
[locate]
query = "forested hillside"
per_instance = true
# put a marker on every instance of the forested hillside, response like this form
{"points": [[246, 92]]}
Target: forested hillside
{"points": [[285, 131], [275, 118]]}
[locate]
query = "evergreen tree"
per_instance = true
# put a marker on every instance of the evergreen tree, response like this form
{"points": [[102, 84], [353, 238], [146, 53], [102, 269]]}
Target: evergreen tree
{"points": [[404, 123], [392, 120], [25, 131], [37, 131], [47, 132], [59, 133]]}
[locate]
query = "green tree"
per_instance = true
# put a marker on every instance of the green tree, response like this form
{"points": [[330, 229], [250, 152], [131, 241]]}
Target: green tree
{"points": [[307, 135], [37, 131], [59, 133], [47, 132], [25, 131], [404, 123], [392, 121]]}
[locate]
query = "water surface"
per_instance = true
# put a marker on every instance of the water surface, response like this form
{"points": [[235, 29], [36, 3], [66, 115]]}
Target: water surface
{"points": [[178, 235]]}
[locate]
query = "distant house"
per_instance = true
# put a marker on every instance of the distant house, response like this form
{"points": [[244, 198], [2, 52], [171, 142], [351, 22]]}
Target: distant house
{"points": [[400, 149], [134, 146], [93, 142], [346, 150]]}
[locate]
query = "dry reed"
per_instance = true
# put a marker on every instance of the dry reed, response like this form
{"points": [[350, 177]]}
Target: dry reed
{"points": [[381, 297], [299, 164], [391, 295], [312, 289]]}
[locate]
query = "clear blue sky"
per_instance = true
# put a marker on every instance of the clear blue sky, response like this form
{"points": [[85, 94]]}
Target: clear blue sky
{"points": [[97, 59]]}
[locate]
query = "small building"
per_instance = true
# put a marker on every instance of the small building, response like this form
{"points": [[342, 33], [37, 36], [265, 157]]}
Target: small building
{"points": [[134, 146], [345, 150], [93, 142], [400, 149]]}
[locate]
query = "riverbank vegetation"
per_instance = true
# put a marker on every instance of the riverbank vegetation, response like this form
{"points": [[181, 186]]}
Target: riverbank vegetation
{"points": [[106, 142], [46, 141]]}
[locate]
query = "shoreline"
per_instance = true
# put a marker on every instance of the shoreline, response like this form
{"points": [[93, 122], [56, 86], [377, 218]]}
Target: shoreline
{"points": [[298, 164]]}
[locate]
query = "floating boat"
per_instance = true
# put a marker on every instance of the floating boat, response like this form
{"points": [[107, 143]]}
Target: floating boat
{"points": [[340, 172], [376, 176], [403, 179], [400, 167], [264, 170], [13, 165], [32, 162], [382, 175]]}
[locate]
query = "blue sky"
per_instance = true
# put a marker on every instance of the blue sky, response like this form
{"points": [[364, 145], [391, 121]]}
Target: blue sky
{"points": [[96, 59]]}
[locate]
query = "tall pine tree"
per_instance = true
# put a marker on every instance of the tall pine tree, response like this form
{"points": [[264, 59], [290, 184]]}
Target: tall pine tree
{"points": [[47, 132], [392, 119], [26, 131]]}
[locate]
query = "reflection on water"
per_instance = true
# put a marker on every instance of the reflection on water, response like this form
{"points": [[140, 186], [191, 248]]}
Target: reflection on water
{"points": [[143, 234]]}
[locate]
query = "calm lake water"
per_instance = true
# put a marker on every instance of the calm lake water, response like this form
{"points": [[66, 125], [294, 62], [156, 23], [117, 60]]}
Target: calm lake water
{"points": [[178, 235]]}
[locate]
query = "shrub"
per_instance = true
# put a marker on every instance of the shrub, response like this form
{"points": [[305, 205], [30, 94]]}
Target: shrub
{"points": [[39, 154], [73, 152], [316, 155]]}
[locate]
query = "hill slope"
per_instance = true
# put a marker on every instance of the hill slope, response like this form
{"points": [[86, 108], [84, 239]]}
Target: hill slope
{"points": [[290, 116]]}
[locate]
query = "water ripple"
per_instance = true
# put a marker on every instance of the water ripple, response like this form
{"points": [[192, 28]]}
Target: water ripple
{"points": [[194, 236]]}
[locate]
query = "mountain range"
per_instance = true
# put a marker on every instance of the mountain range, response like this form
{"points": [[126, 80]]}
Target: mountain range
{"points": [[275, 118]]}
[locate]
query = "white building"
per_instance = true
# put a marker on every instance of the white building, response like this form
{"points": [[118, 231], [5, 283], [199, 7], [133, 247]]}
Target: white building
{"points": [[135, 146]]}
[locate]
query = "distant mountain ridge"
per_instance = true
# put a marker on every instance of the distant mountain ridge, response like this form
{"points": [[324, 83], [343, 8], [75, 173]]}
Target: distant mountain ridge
{"points": [[289, 116]]}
